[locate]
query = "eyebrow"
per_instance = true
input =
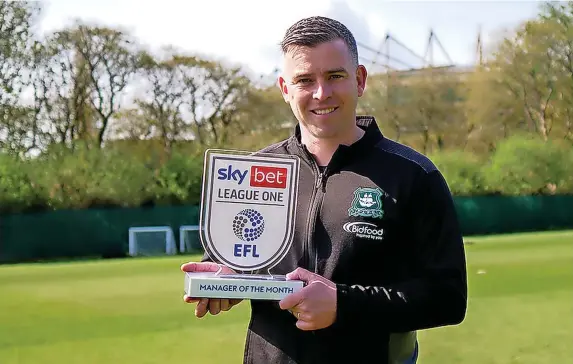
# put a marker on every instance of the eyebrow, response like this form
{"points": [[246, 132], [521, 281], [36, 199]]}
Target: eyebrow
{"points": [[306, 75]]}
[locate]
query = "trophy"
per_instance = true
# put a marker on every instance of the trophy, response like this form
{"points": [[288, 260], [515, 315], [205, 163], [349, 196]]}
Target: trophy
{"points": [[248, 209]]}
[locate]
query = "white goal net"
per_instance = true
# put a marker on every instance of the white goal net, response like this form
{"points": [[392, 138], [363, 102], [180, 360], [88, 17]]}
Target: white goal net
{"points": [[189, 239], [151, 241]]}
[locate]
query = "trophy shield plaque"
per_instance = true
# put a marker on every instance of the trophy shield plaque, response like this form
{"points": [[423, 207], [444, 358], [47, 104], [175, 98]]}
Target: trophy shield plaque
{"points": [[248, 209]]}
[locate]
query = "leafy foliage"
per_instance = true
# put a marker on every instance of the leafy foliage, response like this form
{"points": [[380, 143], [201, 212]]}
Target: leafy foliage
{"points": [[502, 127], [462, 171], [90, 177], [179, 180], [524, 165], [17, 191]]}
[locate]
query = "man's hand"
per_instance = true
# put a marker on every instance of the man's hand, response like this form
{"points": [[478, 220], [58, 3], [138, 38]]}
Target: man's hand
{"points": [[315, 305], [213, 305]]}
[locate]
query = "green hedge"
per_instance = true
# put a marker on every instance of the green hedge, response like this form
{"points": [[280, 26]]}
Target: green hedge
{"points": [[92, 178], [128, 177], [520, 166]]}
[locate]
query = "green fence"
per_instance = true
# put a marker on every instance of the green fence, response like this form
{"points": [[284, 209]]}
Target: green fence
{"points": [[83, 233], [104, 232], [509, 214]]}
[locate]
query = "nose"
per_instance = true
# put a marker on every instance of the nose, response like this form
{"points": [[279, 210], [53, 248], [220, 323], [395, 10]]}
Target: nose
{"points": [[323, 91]]}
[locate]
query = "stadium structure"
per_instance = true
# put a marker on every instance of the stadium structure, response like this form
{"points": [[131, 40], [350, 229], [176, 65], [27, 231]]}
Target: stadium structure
{"points": [[394, 57]]}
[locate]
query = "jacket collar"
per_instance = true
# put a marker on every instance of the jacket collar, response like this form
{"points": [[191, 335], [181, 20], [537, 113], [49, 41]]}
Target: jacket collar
{"points": [[345, 153]]}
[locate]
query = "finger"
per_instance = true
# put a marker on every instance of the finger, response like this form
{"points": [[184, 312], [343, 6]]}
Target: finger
{"points": [[190, 299], [231, 302], [295, 313], [291, 300], [214, 306], [301, 274], [305, 325], [303, 316], [225, 305], [200, 267], [235, 301], [201, 309]]}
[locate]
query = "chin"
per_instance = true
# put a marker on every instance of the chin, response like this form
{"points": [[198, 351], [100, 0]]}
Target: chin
{"points": [[324, 133]]}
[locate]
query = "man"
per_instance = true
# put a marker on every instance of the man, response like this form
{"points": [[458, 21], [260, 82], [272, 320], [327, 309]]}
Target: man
{"points": [[377, 240]]}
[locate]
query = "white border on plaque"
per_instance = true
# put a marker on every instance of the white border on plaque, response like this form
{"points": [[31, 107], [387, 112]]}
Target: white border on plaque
{"points": [[248, 207]]}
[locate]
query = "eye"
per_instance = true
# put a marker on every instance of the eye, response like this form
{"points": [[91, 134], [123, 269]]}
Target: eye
{"points": [[336, 76], [304, 80]]}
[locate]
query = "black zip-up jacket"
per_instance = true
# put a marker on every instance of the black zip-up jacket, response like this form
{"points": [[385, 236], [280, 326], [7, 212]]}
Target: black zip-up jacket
{"points": [[379, 221]]}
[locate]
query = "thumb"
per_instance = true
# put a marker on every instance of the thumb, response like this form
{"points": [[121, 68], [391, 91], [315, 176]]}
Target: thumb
{"points": [[301, 274]]}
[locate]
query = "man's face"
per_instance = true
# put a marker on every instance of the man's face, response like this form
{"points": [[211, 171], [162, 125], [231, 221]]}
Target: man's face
{"points": [[322, 85]]}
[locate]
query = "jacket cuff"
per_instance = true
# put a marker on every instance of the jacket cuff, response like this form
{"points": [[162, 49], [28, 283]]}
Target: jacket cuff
{"points": [[346, 310]]}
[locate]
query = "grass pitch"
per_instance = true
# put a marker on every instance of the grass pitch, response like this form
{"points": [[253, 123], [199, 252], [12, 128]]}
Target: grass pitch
{"points": [[131, 311]]}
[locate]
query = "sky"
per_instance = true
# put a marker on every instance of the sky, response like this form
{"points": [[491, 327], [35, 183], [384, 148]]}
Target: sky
{"points": [[248, 32]]}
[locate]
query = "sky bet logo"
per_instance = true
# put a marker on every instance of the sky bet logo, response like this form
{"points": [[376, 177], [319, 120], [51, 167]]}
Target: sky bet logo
{"points": [[270, 177]]}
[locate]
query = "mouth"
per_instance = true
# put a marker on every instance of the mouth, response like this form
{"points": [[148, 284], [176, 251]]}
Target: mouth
{"points": [[325, 111]]}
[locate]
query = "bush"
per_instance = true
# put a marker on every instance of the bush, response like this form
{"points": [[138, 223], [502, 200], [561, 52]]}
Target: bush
{"points": [[527, 166], [17, 192], [87, 177], [179, 180], [462, 171], [130, 177], [567, 187]]}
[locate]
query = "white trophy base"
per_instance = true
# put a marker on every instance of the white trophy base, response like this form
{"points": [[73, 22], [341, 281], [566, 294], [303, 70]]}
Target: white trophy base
{"points": [[240, 286]]}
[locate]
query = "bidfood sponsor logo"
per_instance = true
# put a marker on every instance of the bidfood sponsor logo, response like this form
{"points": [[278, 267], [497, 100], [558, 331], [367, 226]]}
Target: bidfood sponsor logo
{"points": [[364, 230]]}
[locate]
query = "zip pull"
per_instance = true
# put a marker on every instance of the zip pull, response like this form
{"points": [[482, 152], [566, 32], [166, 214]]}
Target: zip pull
{"points": [[319, 181]]}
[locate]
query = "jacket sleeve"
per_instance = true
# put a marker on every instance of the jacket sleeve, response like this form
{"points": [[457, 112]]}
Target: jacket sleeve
{"points": [[437, 295]]}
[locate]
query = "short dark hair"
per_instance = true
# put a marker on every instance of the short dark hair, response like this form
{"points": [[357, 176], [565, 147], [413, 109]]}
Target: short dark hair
{"points": [[315, 30]]}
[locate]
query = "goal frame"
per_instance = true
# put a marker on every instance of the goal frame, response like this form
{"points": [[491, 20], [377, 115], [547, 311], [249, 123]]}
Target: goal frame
{"points": [[182, 230], [170, 244]]}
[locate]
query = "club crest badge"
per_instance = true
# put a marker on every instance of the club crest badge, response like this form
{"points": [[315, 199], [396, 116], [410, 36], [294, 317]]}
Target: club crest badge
{"points": [[367, 202]]}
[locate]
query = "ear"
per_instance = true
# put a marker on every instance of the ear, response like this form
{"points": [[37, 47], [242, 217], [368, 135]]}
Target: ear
{"points": [[283, 87], [361, 75]]}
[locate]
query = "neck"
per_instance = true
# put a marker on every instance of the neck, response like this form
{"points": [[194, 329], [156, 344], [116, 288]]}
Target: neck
{"points": [[323, 149]]}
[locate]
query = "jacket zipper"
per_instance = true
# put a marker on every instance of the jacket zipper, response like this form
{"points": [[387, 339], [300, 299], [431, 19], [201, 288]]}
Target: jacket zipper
{"points": [[310, 248]]}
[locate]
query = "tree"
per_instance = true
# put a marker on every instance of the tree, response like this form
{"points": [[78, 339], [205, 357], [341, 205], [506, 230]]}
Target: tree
{"points": [[436, 98], [16, 42], [536, 66], [559, 20], [62, 89], [386, 98], [421, 107], [261, 118], [212, 94], [492, 111], [163, 100], [104, 60]]}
